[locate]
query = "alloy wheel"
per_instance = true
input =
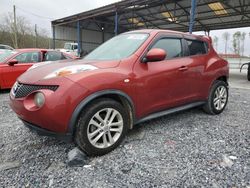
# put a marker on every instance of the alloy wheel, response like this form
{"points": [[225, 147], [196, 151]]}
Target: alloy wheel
{"points": [[220, 97], [105, 128]]}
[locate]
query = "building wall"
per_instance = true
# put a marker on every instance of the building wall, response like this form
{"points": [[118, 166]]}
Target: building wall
{"points": [[90, 39]]}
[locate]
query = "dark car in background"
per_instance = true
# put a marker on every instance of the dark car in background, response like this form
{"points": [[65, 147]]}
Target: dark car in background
{"points": [[15, 62]]}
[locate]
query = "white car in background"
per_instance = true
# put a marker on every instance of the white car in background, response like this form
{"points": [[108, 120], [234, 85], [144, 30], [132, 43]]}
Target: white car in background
{"points": [[70, 48]]}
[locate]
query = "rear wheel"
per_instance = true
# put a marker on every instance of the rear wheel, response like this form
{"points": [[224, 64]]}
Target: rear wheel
{"points": [[101, 127], [217, 99]]}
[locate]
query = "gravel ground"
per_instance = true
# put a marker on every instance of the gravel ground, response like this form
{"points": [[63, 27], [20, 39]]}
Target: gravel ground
{"points": [[187, 149]]}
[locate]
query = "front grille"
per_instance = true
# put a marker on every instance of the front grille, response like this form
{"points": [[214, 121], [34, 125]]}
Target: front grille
{"points": [[22, 90]]}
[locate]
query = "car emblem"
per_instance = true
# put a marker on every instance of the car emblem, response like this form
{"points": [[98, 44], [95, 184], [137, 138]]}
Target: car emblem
{"points": [[14, 89]]}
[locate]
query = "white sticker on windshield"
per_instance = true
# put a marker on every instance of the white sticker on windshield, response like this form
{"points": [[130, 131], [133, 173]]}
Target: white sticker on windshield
{"points": [[137, 37]]}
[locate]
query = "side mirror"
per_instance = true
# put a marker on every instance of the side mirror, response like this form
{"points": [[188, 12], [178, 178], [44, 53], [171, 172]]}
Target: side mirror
{"points": [[12, 62], [155, 54]]}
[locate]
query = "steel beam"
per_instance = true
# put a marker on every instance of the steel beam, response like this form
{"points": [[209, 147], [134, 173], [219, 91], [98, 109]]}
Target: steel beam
{"points": [[184, 9], [53, 36], [236, 10], [116, 23], [192, 15], [79, 38]]}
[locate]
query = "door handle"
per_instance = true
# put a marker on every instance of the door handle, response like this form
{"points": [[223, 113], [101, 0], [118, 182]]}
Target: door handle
{"points": [[183, 68]]}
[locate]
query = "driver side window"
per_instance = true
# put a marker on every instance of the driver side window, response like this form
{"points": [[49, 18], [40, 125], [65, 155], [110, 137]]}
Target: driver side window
{"points": [[28, 57], [171, 46]]}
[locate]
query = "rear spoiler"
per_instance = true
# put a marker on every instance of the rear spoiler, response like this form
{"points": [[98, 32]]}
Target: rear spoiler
{"points": [[206, 37]]}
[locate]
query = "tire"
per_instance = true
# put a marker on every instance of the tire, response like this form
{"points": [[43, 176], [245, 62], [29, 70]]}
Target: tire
{"points": [[217, 99], [94, 130]]}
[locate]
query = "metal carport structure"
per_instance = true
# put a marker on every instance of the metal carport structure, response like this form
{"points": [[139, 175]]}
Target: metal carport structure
{"points": [[96, 26]]}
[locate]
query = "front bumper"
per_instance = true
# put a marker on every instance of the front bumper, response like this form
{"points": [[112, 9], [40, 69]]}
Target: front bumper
{"points": [[57, 110], [44, 132]]}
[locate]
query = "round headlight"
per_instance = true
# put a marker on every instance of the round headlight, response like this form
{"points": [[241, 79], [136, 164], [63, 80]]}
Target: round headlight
{"points": [[39, 99]]}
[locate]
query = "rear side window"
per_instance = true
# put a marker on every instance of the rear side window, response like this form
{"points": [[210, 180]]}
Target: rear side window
{"points": [[196, 47], [171, 46], [53, 56]]}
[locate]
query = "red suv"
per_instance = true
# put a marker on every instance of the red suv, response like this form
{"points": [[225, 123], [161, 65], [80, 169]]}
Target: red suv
{"points": [[133, 77]]}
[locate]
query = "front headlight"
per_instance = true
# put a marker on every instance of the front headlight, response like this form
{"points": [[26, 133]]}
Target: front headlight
{"points": [[70, 70]]}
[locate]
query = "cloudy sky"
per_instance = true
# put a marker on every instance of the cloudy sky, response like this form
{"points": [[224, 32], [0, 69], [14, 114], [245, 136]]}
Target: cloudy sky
{"points": [[41, 12]]}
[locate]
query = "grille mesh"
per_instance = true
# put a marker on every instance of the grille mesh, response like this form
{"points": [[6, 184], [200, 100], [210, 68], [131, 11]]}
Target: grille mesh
{"points": [[22, 90]]}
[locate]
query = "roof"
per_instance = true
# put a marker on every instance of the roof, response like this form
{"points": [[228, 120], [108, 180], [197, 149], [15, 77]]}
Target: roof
{"points": [[34, 49], [157, 30], [187, 35], [165, 14], [28, 49]]}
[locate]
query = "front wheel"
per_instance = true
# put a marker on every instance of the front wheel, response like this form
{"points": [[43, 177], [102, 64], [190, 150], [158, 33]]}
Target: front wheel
{"points": [[101, 127], [217, 99]]}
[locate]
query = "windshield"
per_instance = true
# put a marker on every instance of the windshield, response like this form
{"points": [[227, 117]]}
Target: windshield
{"points": [[6, 54], [67, 46], [119, 47]]}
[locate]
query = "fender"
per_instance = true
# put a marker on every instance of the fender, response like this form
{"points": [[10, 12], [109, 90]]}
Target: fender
{"points": [[85, 101]]}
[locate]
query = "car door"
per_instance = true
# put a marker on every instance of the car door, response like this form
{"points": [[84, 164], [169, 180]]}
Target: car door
{"points": [[5, 75], [164, 84], [198, 59], [25, 60]]}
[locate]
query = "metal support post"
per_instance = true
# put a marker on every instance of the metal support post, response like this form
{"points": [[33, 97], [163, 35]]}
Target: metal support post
{"points": [[116, 23], [79, 38], [192, 15], [53, 37]]}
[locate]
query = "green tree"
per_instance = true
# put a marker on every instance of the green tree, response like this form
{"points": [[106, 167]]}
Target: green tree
{"points": [[25, 33], [236, 42], [226, 37], [215, 42], [22, 29], [243, 38]]}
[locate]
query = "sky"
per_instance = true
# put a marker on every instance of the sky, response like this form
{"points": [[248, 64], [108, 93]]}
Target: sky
{"points": [[42, 12]]}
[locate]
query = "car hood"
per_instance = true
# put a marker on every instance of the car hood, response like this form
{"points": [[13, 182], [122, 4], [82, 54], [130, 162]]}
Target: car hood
{"points": [[39, 73]]}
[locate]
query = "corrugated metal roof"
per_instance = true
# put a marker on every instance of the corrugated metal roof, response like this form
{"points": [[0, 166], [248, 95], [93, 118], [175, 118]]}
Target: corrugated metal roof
{"points": [[167, 14]]}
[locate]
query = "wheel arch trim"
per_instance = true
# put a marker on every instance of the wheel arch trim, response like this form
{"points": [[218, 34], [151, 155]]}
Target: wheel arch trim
{"points": [[218, 77], [91, 97]]}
